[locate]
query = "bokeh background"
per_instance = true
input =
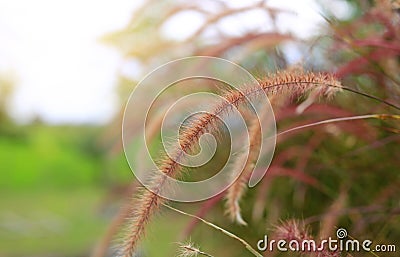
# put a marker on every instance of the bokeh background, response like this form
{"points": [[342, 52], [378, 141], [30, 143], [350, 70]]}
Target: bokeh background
{"points": [[68, 67]]}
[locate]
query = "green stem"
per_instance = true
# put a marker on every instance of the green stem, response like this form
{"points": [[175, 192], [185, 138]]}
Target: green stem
{"points": [[242, 241]]}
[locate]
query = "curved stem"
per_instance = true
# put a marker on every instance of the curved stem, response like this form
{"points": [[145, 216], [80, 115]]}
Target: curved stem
{"points": [[371, 97], [359, 117], [242, 241]]}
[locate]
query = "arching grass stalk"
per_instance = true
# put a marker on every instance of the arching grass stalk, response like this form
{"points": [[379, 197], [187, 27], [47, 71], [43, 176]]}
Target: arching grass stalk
{"points": [[290, 84]]}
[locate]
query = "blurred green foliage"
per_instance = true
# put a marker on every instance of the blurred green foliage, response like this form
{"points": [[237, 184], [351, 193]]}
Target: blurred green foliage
{"points": [[54, 186], [38, 156]]}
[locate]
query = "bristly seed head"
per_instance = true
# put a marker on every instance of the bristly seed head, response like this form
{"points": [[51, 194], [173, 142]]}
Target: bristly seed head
{"points": [[286, 83], [188, 249]]}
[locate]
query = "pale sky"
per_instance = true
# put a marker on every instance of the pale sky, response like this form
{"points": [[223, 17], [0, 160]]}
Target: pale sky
{"points": [[64, 74]]}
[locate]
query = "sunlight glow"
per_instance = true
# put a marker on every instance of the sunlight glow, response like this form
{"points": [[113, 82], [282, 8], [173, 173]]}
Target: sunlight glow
{"points": [[63, 73]]}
